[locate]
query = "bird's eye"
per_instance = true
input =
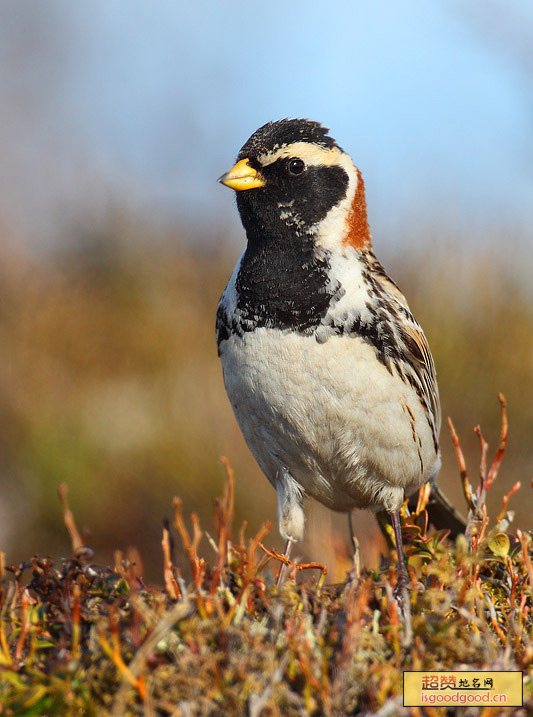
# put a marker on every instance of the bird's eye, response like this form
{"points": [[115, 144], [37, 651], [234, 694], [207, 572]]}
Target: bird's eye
{"points": [[296, 166]]}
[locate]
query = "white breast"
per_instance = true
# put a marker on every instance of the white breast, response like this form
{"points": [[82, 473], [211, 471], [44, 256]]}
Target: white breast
{"points": [[350, 432]]}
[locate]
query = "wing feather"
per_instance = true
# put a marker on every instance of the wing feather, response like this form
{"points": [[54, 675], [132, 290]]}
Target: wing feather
{"points": [[413, 348]]}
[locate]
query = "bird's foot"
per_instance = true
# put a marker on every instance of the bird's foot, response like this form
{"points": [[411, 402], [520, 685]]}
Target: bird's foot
{"points": [[403, 587], [402, 595], [283, 567]]}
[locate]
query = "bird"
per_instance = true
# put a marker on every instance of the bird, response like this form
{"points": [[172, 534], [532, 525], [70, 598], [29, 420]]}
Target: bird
{"points": [[329, 374]]}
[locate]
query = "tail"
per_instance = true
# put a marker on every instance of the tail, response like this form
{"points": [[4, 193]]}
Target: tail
{"points": [[441, 512]]}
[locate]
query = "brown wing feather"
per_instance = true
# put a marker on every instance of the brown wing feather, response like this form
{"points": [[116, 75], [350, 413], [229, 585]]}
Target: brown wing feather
{"points": [[421, 360], [416, 352]]}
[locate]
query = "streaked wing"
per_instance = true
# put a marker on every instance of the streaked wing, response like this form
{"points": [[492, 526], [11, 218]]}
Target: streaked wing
{"points": [[416, 362]]}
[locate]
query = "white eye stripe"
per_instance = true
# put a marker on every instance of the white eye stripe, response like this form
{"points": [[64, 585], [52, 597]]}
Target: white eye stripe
{"points": [[311, 154]]}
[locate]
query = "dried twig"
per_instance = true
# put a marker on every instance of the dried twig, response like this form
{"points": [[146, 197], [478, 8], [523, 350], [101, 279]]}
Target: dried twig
{"points": [[68, 519], [467, 487], [198, 565], [504, 433], [259, 702], [131, 673], [477, 522], [483, 459], [223, 523], [524, 541], [295, 567], [171, 585], [505, 500], [25, 625]]}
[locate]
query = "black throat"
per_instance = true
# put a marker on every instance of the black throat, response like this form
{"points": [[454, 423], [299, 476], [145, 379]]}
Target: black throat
{"points": [[282, 281]]}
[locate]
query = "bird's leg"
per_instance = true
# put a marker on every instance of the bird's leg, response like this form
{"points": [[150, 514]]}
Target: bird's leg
{"points": [[355, 546], [290, 512], [401, 591], [402, 583], [282, 570]]}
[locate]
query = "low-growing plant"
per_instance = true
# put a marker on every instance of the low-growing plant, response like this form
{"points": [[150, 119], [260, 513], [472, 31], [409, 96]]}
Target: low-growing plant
{"points": [[218, 638]]}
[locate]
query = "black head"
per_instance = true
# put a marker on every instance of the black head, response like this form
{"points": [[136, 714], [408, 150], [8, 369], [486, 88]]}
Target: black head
{"points": [[288, 177], [273, 135], [300, 198]]}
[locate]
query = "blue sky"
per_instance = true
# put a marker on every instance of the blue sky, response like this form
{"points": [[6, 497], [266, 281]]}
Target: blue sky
{"points": [[150, 102]]}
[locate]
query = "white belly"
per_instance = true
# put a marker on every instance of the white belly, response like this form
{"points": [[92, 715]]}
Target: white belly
{"points": [[349, 432]]}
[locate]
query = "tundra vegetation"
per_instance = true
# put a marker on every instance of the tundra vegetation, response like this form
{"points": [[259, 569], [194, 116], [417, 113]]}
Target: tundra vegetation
{"points": [[78, 638]]}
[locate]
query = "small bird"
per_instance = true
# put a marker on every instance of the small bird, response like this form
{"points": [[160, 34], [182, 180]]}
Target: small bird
{"points": [[328, 372]]}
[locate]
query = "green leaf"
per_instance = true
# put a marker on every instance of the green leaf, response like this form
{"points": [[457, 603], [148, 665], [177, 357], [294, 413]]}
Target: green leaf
{"points": [[499, 544]]}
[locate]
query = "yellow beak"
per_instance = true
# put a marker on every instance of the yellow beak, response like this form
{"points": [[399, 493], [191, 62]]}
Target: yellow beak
{"points": [[241, 177]]}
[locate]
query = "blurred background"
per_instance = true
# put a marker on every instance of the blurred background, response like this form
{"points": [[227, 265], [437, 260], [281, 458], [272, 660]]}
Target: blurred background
{"points": [[116, 242]]}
